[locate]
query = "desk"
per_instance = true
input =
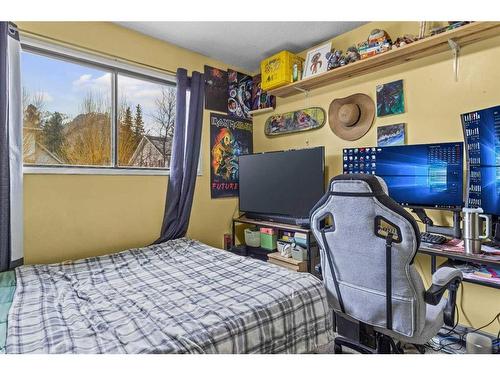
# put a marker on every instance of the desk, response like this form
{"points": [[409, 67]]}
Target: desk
{"points": [[452, 252]]}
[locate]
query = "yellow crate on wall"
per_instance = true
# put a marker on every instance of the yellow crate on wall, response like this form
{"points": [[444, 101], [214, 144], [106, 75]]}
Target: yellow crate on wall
{"points": [[277, 70]]}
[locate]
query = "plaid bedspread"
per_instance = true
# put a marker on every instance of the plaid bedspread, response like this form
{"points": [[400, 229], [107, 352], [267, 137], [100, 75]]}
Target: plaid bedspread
{"points": [[178, 297]]}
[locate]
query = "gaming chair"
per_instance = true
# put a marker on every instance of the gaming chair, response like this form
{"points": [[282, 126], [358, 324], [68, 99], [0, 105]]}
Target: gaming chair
{"points": [[368, 244]]}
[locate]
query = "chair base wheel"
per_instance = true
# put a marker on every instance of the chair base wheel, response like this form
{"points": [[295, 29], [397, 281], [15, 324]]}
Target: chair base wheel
{"points": [[344, 341]]}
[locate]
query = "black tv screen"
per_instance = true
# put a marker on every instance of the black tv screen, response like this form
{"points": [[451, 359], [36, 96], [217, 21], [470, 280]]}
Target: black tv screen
{"points": [[283, 182]]}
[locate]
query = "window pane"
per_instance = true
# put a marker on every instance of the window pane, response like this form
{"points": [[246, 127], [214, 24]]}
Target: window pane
{"points": [[146, 115], [67, 112]]}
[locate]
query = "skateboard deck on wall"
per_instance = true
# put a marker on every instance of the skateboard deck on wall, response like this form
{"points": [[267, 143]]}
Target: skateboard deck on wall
{"points": [[295, 121]]}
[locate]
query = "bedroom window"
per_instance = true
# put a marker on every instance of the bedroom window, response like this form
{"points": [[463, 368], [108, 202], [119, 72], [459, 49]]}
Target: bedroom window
{"points": [[66, 112], [85, 114], [146, 114]]}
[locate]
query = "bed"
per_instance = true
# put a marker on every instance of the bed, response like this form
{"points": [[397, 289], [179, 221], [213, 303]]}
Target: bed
{"points": [[181, 296]]}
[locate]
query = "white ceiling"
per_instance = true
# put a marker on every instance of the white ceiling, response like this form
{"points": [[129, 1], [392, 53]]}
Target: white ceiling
{"points": [[242, 44]]}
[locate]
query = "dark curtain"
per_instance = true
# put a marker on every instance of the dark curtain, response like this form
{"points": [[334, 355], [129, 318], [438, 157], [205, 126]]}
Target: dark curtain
{"points": [[11, 175], [185, 155], [4, 151]]}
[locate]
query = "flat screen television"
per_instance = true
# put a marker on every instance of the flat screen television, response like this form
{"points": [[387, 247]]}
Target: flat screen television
{"points": [[283, 185]]}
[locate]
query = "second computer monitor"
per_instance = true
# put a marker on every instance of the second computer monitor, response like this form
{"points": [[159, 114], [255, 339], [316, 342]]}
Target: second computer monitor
{"points": [[427, 175], [482, 139]]}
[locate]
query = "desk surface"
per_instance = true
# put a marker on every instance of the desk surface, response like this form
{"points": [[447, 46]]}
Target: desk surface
{"points": [[457, 252]]}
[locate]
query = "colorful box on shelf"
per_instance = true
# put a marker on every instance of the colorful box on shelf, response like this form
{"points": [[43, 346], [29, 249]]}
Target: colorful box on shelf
{"points": [[268, 238], [375, 50], [277, 70], [300, 238]]}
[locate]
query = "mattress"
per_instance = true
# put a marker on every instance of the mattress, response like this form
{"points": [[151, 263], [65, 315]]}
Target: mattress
{"points": [[181, 296]]}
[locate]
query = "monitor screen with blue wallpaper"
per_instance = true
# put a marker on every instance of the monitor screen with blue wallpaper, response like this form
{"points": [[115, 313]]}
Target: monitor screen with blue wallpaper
{"points": [[482, 139], [429, 175]]}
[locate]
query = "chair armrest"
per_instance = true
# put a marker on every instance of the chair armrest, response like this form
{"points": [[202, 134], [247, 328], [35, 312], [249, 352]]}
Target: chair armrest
{"points": [[441, 280], [445, 278], [444, 275]]}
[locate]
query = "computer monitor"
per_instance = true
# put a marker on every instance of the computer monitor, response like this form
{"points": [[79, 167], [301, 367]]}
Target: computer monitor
{"points": [[482, 139], [427, 175]]}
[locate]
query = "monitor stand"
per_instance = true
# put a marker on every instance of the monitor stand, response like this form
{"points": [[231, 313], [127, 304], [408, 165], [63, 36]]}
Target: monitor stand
{"points": [[455, 231]]}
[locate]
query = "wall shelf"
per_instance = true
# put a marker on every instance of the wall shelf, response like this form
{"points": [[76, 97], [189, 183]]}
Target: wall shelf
{"points": [[261, 111], [470, 33]]}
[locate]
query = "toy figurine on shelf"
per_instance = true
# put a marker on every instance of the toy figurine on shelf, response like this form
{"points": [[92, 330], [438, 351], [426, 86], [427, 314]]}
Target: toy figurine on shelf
{"points": [[451, 25], [404, 40], [352, 55], [335, 59], [378, 42], [377, 36]]}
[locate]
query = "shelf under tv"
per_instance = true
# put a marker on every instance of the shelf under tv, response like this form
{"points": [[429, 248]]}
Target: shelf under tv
{"points": [[272, 224], [260, 253]]}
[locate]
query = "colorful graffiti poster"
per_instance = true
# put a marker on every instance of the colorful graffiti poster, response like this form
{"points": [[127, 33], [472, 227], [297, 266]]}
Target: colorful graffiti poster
{"points": [[239, 102], [229, 138]]}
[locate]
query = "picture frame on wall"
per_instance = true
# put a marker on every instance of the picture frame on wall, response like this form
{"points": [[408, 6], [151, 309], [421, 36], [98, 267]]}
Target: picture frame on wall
{"points": [[390, 98], [316, 61], [391, 135]]}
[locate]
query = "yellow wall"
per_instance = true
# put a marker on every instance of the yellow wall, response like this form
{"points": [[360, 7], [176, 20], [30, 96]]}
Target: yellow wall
{"points": [[434, 102], [75, 216]]}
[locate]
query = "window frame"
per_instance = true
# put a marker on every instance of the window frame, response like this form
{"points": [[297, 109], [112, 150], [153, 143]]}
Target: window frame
{"points": [[114, 67]]}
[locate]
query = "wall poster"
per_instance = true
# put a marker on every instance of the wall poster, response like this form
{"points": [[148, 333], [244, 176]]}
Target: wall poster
{"points": [[229, 138]]}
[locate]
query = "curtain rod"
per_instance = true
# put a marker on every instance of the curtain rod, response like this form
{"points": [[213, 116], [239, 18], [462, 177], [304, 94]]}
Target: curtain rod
{"points": [[84, 49]]}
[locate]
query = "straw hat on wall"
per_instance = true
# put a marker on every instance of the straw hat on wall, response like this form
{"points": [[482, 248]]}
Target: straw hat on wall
{"points": [[351, 117]]}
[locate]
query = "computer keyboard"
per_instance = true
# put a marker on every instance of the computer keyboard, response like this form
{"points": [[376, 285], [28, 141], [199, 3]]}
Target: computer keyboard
{"points": [[432, 238]]}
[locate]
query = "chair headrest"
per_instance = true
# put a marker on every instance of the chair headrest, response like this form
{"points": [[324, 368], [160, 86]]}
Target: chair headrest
{"points": [[358, 183], [365, 185]]}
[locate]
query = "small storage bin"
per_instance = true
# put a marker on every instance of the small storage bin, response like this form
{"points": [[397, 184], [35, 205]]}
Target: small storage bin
{"points": [[252, 237], [281, 244], [277, 70], [268, 238], [299, 253]]}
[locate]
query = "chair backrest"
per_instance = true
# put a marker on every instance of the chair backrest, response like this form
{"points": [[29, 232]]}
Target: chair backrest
{"points": [[360, 265]]}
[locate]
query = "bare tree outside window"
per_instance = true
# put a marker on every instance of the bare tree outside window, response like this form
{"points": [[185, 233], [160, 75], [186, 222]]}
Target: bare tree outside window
{"points": [[146, 120], [68, 118]]}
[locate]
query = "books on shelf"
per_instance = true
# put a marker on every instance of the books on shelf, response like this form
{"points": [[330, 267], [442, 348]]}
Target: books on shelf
{"points": [[477, 272]]}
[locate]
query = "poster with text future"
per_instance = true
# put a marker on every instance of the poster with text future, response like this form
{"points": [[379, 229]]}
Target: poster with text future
{"points": [[229, 138]]}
